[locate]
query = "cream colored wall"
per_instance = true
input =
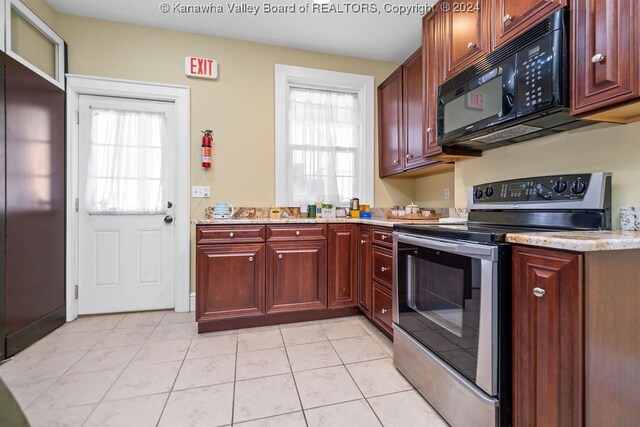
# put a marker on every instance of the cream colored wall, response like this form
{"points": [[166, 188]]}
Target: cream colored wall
{"points": [[429, 191], [239, 106]]}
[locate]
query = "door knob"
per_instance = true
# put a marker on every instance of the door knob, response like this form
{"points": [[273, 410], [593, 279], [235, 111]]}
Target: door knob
{"points": [[169, 205], [280, 256], [471, 45], [506, 18], [597, 58], [539, 292], [250, 259], [168, 219]]}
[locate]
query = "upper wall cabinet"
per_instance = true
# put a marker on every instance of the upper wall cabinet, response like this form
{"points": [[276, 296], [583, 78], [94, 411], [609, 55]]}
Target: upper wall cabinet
{"points": [[466, 34], [513, 17], [605, 62], [390, 124], [414, 143]]}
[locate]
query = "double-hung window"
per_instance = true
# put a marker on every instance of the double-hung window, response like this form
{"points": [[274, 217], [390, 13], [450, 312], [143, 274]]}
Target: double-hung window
{"points": [[324, 137]]}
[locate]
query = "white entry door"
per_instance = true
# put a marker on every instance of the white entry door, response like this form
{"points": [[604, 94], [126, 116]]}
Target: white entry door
{"points": [[126, 187]]}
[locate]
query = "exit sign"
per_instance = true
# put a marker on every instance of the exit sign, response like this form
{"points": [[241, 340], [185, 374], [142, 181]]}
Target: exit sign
{"points": [[475, 100], [200, 67]]}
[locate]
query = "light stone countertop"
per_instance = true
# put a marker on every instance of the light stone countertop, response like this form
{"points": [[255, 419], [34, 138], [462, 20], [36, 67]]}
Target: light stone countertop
{"points": [[383, 222], [579, 241]]}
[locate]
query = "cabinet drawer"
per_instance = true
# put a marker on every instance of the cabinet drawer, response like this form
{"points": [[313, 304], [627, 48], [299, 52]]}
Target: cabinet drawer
{"points": [[382, 303], [209, 234], [296, 232], [382, 266], [383, 237]]}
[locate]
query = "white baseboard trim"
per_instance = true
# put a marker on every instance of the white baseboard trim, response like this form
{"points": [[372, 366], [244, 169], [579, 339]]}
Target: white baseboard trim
{"points": [[192, 301]]}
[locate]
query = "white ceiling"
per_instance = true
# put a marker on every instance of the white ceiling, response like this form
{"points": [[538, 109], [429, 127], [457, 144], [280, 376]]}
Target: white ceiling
{"points": [[381, 36]]}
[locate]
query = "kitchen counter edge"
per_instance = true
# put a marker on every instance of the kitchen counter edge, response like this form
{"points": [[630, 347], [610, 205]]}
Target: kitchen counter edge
{"points": [[579, 241], [382, 222]]}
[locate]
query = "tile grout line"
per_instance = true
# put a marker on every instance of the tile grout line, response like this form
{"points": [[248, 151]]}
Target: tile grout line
{"points": [[166, 402], [295, 383], [235, 376]]}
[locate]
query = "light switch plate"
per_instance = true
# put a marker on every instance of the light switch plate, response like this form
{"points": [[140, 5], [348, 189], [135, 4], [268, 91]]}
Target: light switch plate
{"points": [[206, 191], [447, 193], [200, 191]]}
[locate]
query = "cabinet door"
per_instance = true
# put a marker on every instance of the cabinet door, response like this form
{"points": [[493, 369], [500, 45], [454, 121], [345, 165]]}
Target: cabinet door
{"points": [[605, 62], [465, 34], [296, 276], [364, 270], [547, 338], [414, 144], [381, 312], [342, 265], [230, 280], [513, 17], [390, 145], [431, 65]]}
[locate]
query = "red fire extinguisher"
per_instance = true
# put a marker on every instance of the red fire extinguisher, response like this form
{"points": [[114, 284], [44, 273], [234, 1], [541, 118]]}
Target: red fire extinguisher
{"points": [[206, 148]]}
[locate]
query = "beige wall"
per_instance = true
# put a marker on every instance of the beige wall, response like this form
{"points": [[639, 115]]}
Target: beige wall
{"points": [[239, 106], [429, 191]]}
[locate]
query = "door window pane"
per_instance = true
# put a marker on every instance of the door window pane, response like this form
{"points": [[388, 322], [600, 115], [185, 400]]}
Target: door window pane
{"points": [[125, 167]]}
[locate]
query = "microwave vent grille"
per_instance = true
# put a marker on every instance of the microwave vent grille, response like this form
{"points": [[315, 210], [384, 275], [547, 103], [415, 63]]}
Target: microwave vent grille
{"points": [[509, 133]]}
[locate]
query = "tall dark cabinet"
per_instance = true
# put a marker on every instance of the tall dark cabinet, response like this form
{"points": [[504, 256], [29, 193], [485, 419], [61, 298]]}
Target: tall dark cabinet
{"points": [[32, 206]]}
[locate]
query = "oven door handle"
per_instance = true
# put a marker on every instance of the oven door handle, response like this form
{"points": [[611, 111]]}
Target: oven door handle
{"points": [[476, 251]]}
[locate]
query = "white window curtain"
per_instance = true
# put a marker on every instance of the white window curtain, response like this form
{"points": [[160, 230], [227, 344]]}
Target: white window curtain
{"points": [[323, 138], [124, 171]]}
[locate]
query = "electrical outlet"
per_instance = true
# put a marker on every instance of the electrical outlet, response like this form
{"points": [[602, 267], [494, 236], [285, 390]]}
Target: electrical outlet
{"points": [[206, 191], [197, 191], [447, 193]]}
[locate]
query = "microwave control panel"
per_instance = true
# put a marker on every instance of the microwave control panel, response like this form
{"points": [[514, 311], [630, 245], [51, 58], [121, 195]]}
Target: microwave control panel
{"points": [[548, 188], [534, 76]]}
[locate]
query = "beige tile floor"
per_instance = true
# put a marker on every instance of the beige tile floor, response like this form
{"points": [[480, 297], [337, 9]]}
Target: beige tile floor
{"points": [[153, 369]]}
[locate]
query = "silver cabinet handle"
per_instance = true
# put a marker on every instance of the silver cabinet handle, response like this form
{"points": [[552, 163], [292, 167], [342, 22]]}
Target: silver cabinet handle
{"points": [[539, 292], [362, 242], [231, 234], [383, 269], [597, 58], [395, 162], [280, 256], [429, 130], [506, 18], [471, 45], [383, 237], [250, 259], [297, 233], [384, 311]]}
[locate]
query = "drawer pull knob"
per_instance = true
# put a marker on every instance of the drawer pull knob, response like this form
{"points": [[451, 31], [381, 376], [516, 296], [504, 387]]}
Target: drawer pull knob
{"points": [[506, 18], [597, 58], [362, 242], [409, 156], [280, 256], [297, 232], [429, 130], [384, 311], [250, 259], [539, 292], [383, 269], [471, 45], [231, 234], [384, 237], [395, 162]]}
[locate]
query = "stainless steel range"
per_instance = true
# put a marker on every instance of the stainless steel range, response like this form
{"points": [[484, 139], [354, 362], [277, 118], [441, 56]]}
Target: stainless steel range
{"points": [[452, 305]]}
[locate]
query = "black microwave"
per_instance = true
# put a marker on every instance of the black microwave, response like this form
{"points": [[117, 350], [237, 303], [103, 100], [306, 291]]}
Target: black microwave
{"points": [[517, 92]]}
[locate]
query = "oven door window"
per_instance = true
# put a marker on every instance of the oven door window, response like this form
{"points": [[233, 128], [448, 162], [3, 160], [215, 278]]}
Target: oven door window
{"points": [[439, 303]]}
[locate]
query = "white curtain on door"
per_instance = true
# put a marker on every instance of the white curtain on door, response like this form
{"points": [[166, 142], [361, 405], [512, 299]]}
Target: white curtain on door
{"points": [[323, 141], [124, 171]]}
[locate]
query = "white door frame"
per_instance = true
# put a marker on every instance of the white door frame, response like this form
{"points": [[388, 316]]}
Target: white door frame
{"points": [[179, 95]]}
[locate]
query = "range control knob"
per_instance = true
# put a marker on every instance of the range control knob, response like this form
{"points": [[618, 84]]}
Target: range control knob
{"points": [[488, 192], [578, 187], [559, 186], [478, 194]]}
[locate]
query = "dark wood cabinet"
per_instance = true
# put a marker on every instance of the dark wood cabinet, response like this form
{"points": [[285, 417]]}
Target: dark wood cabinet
{"points": [[364, 269], [342, 266], [513, 17], [415, 148], [548, 318], [390, 144], [430, 65], [383, 266], [605, 59], [230, 280], [381, 311], [296, 276], [465, 27]]}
